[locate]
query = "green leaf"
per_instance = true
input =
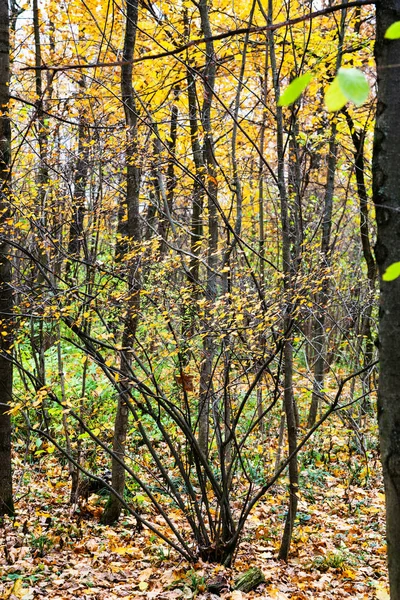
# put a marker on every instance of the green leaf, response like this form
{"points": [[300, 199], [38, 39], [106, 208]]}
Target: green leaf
{"points": [[354, 85], [349, 84], [295, 89], [392, 272], [334, 97], [393, 32]]}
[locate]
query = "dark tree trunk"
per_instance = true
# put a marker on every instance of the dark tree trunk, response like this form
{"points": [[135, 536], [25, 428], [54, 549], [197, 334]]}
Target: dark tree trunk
{"points": [[166, 211], [6, 296], [76, 233], [206, 387], [198, 159], [288, 267], [113, 508], [358, 137], [322, 297], [386, 186]]}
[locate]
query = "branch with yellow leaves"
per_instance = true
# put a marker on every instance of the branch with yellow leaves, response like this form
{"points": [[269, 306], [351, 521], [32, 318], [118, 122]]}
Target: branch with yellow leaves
{"points": [[220, 36]]}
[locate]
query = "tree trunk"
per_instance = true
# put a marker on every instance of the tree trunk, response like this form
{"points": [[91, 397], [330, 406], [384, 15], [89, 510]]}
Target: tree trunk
{"points": [[113, 508], [386, 185], [206, 388], [76, 233], [196, 229], [358, 137], [166, 211], [6, 295], [287, 268], [322, 297]]}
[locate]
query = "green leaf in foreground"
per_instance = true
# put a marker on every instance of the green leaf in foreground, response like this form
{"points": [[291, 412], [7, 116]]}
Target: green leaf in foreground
{"points": [[334, 97], [295, 89], [354, 85], [393, 32], [392, 272], [349, 84]]}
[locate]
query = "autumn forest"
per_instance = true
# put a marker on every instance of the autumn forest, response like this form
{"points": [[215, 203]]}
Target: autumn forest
{"points": [[195, 221]]}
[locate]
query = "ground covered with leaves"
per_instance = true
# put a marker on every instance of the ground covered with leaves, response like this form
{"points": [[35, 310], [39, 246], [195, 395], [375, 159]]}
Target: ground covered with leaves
{"points": [[57, 551]]}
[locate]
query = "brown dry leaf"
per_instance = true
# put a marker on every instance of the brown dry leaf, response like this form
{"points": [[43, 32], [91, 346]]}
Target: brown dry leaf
{"points": [[92, 545], [144, 575], [154, 594], [235, 595], [18, 553]]}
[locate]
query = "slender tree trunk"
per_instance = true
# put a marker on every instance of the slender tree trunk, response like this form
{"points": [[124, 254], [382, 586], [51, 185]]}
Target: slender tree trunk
{"points": [[319, 337], [113, 508], [196, 229], [6, 295], [76, 232], [206, 388], [287, 268], [43, 175], [166, 211], [386, 186], [358, 138], [319, 341], [42, 178], [261, 191], [196, 225], [261, 214]]}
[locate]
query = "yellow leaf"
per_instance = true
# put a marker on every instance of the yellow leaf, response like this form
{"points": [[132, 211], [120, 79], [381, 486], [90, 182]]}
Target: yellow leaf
{"points": [[122, 550], [17, 590], [381, 593], [349, 574], [143, 585]]}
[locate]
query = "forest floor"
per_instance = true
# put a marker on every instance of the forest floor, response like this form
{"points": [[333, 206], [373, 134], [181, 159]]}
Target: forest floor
{"points": [[53, 551]]}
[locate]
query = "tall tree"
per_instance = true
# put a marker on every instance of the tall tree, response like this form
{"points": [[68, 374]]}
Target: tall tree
{"points": [[114, 506], [386, 185], [209, 75], [322, 297], [6, 295], [288, 271]]}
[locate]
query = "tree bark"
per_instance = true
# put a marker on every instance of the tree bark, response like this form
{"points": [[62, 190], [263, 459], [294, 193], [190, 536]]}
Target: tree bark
{"points": [[113, 508], [6, 295], [319, 337], [206, 387], [76, 231], [386, 185], [358, 137], [166, 211], [196, 229], [288, 266]]}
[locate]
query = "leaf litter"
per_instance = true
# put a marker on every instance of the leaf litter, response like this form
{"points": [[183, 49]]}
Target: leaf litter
{"points": [[53, 551]]}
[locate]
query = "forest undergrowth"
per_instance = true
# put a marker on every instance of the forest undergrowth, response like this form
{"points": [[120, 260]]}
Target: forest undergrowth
{"points": [[58, 551]]}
